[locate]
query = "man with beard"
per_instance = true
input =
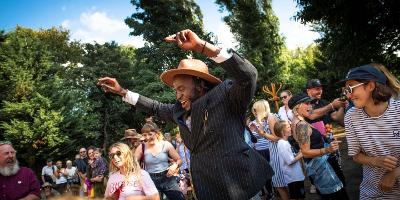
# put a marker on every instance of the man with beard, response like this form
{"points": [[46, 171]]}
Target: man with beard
{"points": [[16, 182], [323, 111], [210, 115], [132, 138]]}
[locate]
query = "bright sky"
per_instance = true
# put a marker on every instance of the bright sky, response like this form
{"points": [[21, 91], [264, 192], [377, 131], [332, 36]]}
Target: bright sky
{"points": [[103, 20]]}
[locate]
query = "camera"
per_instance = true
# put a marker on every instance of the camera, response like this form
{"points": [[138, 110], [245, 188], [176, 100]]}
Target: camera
{"points": [[343, 95]]}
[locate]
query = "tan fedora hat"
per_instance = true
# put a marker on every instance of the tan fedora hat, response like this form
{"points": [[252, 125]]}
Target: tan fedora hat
{"points": [[191, 67], [131, 133]]}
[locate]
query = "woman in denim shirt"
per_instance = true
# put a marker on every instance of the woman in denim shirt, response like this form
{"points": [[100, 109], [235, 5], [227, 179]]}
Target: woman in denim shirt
{"points": [[312, 147]]}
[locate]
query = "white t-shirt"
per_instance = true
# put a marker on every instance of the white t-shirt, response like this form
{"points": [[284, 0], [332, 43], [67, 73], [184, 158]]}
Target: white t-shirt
{"points": [[291, 168], [71, 172], [283, 115], [374, 137], [117, 182], [46, 170], [61, 179]]}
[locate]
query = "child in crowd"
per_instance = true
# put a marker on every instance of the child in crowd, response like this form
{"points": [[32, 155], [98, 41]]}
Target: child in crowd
{"points": [[289, 162]]}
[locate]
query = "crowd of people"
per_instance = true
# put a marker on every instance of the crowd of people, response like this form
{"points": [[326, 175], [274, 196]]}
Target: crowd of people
{"points": [[219, 154]]}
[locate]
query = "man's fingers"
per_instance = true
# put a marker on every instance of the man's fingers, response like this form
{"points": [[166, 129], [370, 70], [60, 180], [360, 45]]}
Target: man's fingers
{"points": [[182, 35], [171, 38], [178, 39]]}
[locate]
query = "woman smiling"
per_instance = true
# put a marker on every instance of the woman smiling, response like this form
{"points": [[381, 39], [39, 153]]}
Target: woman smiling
{"points": [[127, 180]]}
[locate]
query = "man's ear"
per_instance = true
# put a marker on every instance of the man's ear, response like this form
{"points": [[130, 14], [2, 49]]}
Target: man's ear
{"points": [[200, 88]]}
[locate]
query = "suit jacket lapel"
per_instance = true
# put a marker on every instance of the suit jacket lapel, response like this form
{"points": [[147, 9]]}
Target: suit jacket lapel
{"points": [[199, 109], [184, 130]]}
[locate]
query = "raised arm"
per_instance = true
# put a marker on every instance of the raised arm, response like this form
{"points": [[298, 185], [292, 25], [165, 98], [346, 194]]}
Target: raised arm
{"points": [[161, 110], [244, 74], [317, 113]]}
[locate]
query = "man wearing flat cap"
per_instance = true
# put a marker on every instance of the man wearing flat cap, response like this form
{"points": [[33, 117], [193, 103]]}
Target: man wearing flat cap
{"points": [[210, 116], [132, 138]]}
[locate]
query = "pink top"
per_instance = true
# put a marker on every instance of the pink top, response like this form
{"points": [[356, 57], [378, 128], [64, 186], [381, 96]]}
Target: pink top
{"points": [[116, 184]]}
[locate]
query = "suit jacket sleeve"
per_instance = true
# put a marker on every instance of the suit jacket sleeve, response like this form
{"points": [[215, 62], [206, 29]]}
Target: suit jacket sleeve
{"points": [[244, 76], [161, 110]]}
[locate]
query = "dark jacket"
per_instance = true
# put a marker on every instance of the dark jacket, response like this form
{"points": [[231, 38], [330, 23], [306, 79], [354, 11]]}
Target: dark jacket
{"points": [[223, 165]]}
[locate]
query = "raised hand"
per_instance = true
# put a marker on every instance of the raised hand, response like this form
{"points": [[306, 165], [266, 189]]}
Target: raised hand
{"points": [[337, 103], [187, 40], [111, 85]]}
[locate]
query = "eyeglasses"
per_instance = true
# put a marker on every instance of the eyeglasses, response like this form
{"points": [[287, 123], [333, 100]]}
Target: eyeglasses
{"points": [[284, 97], [82, 152], [349, 89], [5, 142], [111, 155]]}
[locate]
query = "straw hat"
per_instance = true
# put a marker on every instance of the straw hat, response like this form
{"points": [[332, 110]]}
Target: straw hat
{"points": [[191, 67], [131, 133]]}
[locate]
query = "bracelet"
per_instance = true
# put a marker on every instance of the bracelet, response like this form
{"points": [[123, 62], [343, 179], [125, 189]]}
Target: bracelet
{"points": [[204, 45], [332, 106]]}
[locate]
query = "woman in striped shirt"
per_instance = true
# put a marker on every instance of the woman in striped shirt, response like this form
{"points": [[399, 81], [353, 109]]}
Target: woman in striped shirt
{"points": [[262, 127], [373, 131]]}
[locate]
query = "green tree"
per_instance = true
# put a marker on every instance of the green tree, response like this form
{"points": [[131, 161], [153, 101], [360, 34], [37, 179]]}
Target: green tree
{"points": [[256, 28], [28, 118], [111, 60], [350, 38]]}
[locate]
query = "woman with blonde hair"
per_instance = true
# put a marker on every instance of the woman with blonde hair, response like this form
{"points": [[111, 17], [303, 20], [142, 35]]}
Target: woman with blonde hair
{"points": [[157, 155], [126, 178], [315, 154], [262, 127]]}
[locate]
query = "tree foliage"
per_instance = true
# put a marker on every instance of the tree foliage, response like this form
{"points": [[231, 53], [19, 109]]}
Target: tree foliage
{"points": [[28, 116], [256, 28], [355, 32]]}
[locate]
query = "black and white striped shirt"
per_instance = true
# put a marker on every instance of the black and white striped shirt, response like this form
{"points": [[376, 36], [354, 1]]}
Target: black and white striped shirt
{"points": [[374, 137]]}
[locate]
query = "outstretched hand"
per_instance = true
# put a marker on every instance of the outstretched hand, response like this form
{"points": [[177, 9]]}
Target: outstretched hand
{"points": [[111, 85], [187, 40]]}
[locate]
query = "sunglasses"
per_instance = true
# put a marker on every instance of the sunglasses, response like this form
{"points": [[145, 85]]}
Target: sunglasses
{"points": [[284, 97], [349, 89], [111, 155]]}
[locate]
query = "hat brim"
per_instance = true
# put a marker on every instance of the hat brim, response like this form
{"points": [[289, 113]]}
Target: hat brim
{"points": [[303, 100], [137, 137], [359, 79], [168, 76]]}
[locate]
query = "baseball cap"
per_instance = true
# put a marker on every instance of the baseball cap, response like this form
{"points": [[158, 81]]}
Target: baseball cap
{"points": [[313, 83], [297, 99], [367, 73]]}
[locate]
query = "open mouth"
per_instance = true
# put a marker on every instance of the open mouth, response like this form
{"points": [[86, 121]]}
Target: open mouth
{"points": [[10, 162]]}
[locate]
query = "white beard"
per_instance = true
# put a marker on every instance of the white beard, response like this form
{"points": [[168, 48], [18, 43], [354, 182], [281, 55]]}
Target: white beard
{"points": [[9, 171]]}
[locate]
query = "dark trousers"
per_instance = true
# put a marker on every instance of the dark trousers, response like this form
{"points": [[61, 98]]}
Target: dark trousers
{"points": [[167, 185]]}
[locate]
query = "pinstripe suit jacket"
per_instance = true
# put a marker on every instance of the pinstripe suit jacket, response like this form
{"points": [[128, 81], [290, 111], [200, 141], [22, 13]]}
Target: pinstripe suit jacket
{"points": [[223, 166]]}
